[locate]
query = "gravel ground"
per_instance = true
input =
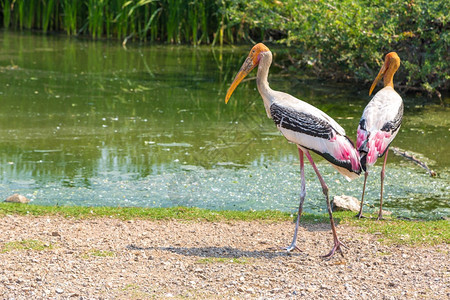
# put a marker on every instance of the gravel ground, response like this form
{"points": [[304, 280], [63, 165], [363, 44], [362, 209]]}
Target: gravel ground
{"points": [[139, 259]]}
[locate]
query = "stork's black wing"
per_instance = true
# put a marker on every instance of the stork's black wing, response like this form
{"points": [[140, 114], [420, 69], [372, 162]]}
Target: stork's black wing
{"points": [[301, 122]]}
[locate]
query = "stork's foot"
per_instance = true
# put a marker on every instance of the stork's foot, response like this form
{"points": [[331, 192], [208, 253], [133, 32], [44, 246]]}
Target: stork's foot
{"points": [[291, 248], [360, 215], [336, 247], [380, 215]]}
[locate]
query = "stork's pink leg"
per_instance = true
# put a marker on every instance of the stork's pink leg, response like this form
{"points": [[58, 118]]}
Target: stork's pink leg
{"points": [[293, 245], [380, 213], [360, 215], [337, 243]]}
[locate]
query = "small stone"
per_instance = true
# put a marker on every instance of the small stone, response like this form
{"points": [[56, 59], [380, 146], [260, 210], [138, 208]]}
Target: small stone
{"points": [[59, 290], [55, 233], [386, 212], [17, 198], [345, 203]]}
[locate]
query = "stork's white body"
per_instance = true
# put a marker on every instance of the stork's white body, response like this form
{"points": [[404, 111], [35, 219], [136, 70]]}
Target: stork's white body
{"points": [[379, 124], [307, 126]]}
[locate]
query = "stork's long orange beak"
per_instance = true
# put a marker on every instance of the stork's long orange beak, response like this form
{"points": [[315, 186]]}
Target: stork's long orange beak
{"points": [[378, 78], [245, 69]]}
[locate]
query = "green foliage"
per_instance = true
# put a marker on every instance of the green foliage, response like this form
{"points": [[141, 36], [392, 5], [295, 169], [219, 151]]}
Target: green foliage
{"points": [[348, 39], [340, 39]]}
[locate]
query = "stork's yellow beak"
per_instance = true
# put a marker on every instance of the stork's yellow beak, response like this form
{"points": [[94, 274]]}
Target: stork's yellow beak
{"points": [[378, 78], [245, 69]]}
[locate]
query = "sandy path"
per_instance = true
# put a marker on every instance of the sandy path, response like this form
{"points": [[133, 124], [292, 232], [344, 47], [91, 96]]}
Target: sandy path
{"points": [[113, 259]]}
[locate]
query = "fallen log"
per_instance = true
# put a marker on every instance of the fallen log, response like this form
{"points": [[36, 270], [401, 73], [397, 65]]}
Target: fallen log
{"points": [[414, 159]]}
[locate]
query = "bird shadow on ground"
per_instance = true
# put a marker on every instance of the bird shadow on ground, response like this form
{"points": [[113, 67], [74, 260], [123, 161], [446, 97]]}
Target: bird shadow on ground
{"points": [[221, 252]]}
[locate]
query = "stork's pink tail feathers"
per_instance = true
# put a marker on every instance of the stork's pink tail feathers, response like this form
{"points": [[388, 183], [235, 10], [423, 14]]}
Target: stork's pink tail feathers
{"points": [[346, 157], [371, 146]]}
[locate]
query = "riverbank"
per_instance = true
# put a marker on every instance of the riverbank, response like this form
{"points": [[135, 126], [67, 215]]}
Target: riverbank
{"points": [[51, 256]]}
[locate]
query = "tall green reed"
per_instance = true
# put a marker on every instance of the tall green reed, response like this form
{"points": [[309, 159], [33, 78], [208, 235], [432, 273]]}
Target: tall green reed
{"points": [[95, 17], [172, 21], [70, 11], [47, 14], [6, 10]]}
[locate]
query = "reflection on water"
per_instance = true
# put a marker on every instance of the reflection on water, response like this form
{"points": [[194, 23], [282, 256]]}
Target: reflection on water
{"points": [[90, 123]]}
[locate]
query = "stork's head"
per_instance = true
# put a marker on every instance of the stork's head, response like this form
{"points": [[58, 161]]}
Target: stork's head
{"points": [[390, 66], [250, 63]]}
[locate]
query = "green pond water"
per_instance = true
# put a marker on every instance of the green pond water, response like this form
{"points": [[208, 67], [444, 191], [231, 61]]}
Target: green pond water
{"points": [[91, 123]]}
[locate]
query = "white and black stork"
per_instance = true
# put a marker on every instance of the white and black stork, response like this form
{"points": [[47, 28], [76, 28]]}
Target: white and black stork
{"points": [[380, 123], [305, 125]]}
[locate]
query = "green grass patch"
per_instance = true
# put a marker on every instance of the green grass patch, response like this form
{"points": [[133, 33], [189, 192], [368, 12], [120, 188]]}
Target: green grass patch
{"points": [[134, 291], [99, 253], [26, 245], [179, 213], [391, 230], [403, 232], [223, 260]]}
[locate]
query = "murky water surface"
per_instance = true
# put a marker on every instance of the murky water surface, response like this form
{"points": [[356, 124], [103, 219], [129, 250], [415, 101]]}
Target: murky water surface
{"points": [[92, 123]]}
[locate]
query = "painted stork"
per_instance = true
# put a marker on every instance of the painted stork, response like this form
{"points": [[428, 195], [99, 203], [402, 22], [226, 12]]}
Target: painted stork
{"points": [[380, 123], [308, 127]]}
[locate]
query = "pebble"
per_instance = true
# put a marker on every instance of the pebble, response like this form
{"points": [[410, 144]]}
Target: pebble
{"points": [[59, 290], [17, 198]]}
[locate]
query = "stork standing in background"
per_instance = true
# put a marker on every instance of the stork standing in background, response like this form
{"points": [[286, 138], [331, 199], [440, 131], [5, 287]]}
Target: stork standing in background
{"points": [[379, 123], [306, 126]]}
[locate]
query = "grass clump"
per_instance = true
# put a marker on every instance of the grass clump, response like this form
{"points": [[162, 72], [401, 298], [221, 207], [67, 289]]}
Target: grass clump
{"points": [[391, 230], [126, 213], [404, 232], [223, 260], [35, 245], [99, 253]]}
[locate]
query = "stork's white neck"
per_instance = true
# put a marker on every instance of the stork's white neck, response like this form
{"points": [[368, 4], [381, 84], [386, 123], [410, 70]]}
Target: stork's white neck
{"points": [[261, 80]]}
